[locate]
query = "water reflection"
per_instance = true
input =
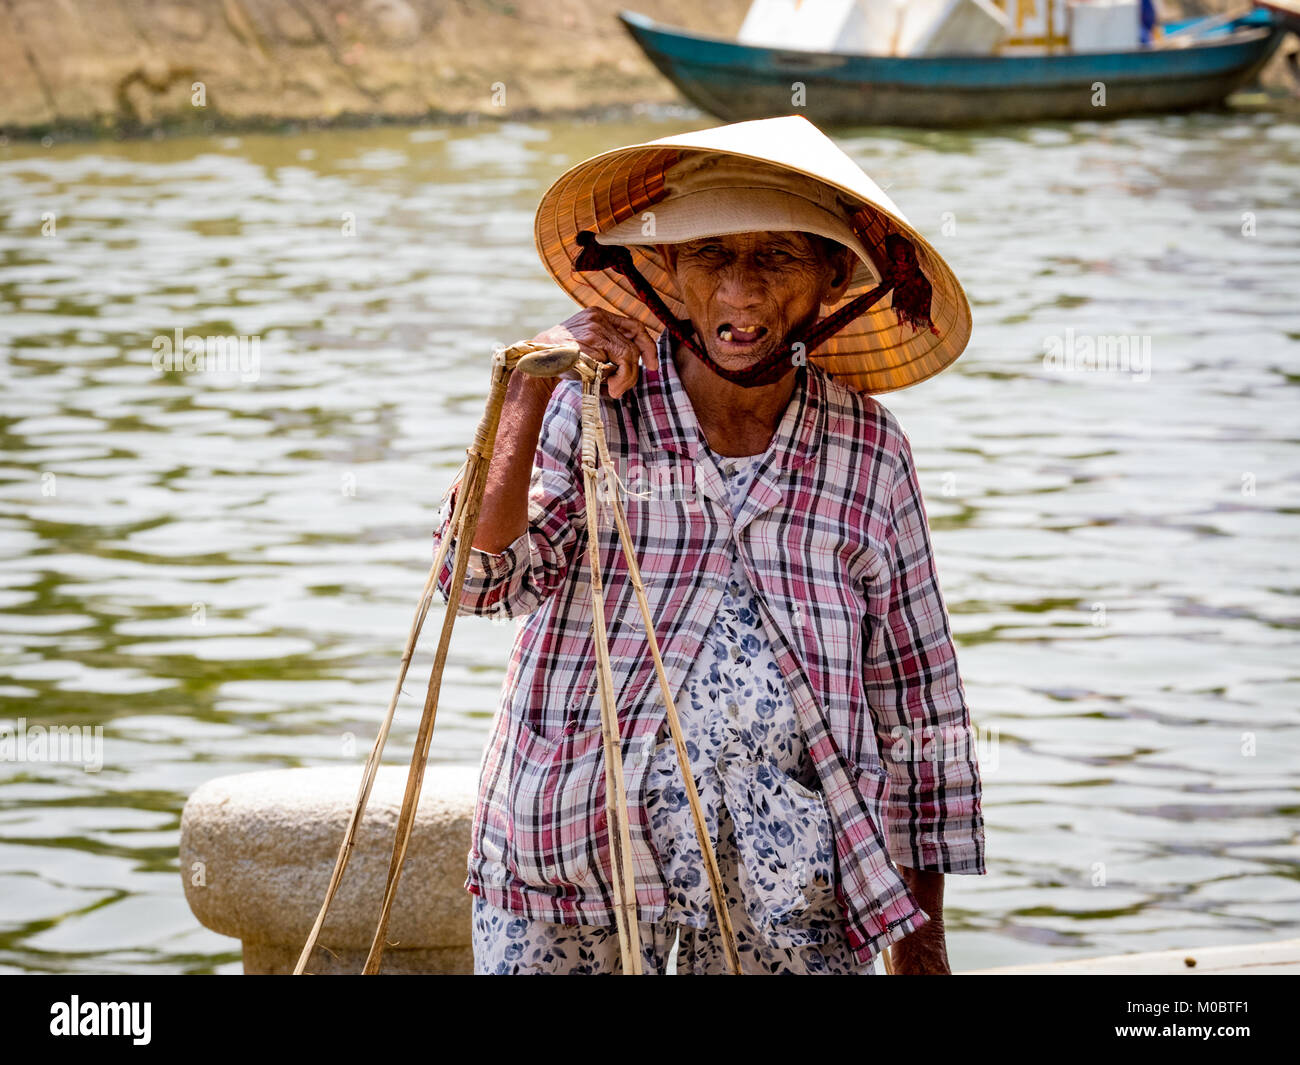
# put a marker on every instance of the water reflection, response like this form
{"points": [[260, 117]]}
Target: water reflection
{"points": [[220, 572]]}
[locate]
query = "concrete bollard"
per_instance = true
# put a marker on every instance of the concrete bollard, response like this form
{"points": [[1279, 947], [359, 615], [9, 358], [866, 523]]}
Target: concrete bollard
{"points": [[257, 851]]}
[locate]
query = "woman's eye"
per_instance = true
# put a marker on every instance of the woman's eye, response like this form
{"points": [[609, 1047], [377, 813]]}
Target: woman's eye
{"points": [[700, 251]]}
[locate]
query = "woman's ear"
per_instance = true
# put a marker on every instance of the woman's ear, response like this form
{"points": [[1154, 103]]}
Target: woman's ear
{"points": [[842, 262]]}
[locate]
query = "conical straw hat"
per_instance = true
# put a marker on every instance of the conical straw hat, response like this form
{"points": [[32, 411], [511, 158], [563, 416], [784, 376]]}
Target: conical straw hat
{"points": [[611, 192]]}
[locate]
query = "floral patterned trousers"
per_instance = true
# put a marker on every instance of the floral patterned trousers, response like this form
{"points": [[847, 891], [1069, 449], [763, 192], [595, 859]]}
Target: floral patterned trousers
{"points": [[506, 944]]}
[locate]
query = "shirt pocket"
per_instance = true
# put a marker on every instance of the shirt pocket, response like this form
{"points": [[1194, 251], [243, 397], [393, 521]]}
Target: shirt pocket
{"points": [[556, 838], [556, 786], [786, 850]]}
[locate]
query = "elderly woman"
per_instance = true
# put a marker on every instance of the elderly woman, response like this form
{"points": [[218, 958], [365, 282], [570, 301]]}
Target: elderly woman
{"points": [[778, 523]]}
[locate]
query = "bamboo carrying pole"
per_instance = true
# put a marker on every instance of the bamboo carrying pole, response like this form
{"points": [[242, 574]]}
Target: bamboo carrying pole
{"points": [[480, 459], [622, 872], [543, 361], [539, 360], [716, 890]]}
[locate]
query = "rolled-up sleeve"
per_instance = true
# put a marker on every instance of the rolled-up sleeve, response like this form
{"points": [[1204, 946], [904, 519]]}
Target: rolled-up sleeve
{"points": [[517, 580], [919, 705]]}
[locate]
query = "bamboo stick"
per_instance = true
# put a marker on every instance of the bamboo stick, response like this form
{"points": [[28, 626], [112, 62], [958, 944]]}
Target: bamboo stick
{"points": [[541, 360], [716, 889], [369, 773], [376, 752], [622, 873], [475, 480]]}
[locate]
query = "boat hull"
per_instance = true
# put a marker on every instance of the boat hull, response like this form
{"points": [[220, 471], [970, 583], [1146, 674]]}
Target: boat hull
{"points": [[736, 82]]}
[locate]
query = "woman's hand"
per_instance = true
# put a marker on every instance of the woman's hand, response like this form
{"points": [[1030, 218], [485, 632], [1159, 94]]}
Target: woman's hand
{"points": [[606, 337], [925, 951]]}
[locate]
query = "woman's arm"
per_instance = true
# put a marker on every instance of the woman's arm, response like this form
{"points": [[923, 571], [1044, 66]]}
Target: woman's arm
{"points": [[503, 515], [533, 511]]}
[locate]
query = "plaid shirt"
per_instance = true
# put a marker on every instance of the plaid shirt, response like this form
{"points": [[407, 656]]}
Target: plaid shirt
{"points": [[835, 540]]}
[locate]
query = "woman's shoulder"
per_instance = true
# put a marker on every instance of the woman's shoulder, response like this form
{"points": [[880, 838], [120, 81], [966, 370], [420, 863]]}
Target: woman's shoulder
{"points": [[854, 418]]}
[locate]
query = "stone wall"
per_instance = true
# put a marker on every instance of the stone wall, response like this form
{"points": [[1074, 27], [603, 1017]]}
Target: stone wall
{"points": [[103, 65]]}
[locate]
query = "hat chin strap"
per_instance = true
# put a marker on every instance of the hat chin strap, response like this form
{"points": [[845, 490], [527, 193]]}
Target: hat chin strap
{"points": [[912, 294]]}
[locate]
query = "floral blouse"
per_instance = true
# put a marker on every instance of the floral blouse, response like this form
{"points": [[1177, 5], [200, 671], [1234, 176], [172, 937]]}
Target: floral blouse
{"points": [[755, 778]]}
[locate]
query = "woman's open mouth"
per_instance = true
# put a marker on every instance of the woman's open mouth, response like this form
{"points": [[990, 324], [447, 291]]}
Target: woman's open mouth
{"points": [[740, 337]]}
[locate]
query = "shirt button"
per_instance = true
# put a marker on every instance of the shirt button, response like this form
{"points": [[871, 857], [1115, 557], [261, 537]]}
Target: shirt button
{"points": [[733, 709], [735, 652]]}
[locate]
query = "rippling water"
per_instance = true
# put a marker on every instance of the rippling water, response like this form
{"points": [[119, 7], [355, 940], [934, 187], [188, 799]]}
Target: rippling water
{"points": [[219, 568]]}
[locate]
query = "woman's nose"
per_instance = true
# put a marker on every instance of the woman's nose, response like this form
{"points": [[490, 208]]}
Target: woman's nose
{"points": [[739, 288]]}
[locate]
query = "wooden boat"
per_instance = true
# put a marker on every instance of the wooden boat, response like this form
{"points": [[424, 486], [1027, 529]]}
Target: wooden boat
{"points": [[737, 81]]}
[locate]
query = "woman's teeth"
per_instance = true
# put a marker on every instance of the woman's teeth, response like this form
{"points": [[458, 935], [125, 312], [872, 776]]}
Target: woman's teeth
{"points": [[734, 333]]}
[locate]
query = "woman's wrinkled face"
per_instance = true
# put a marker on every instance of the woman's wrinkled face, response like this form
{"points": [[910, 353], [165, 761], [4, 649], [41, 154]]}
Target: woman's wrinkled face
{"points": [[748, 294]]}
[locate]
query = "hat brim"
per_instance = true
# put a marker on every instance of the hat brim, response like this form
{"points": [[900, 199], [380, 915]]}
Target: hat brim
{"points": [[875, 353], [719, 212]]}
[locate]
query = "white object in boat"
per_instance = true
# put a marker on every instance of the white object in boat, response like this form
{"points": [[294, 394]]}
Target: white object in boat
{"points": [[951, 27], [1104, 26], [857, 27]]}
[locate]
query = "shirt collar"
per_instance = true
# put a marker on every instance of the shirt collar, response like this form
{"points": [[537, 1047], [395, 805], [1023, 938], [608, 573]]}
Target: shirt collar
{"points": [[672, 425]]}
